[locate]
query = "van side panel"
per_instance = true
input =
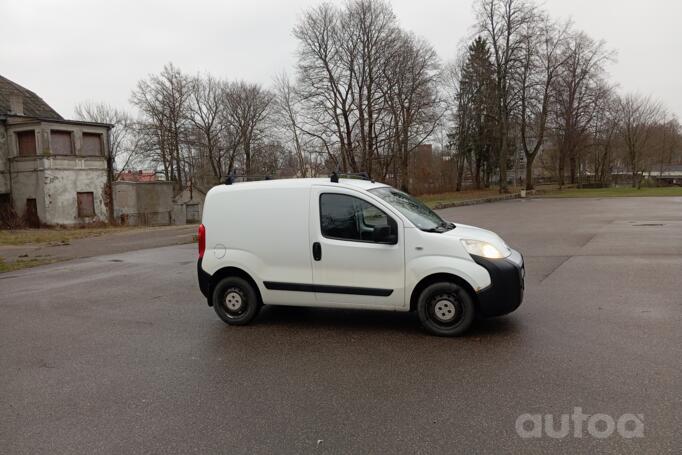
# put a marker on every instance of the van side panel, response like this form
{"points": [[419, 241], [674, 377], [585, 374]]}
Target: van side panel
{"points": [[264, 233]]}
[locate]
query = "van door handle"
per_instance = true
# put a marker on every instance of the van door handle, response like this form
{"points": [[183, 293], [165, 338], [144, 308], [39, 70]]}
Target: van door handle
{"points": [[317, 251]]}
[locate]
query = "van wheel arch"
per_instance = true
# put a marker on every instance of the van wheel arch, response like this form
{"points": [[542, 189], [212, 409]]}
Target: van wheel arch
{"points": [[438, 277], [233, 271]]}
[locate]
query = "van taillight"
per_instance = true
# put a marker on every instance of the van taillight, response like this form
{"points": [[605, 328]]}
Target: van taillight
{"points": [[202, 240]]}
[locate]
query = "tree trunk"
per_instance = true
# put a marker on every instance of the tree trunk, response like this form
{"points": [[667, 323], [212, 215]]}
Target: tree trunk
{"points": [[247, 158], [562, 163], [404, 169], [503, 162], [529, 171], [477, 173], [460, 176]]}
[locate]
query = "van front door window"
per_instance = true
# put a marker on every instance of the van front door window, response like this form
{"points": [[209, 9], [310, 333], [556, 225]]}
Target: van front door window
{"points": [[346, 217]]}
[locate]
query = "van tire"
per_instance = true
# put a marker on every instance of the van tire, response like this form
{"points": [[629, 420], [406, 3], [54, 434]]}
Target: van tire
{"points": [[445, 309], [235, 301]]}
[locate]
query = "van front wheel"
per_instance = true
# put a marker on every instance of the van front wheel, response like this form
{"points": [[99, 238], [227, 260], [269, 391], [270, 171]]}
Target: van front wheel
{"points": [[235, 301], [445, 309]]}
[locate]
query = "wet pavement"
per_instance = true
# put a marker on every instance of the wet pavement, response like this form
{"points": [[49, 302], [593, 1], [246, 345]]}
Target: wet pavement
{"points": [[120, 354]]}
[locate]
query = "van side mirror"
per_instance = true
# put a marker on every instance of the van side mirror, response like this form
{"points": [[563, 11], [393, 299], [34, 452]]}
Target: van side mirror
{"points": [[382, 234]]}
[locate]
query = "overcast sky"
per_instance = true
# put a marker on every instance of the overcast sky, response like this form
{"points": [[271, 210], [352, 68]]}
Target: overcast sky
{"points": [[73, 50]]}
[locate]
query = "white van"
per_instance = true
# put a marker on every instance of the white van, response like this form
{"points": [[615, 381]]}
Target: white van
{"points": [[349, 243]]}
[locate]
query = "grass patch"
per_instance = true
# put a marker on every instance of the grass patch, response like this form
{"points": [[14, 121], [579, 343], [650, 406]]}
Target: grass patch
{"points": [[23, 264], [466, 195], [616, 192], [53, 236]]}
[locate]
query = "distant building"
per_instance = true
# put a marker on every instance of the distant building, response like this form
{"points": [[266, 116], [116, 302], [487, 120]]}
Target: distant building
{"points": [[143, 203], [137, 176], [667, 174], [189, 205], [52, 170]]}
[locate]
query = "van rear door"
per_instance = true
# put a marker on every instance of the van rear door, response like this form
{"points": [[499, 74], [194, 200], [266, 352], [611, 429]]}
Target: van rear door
{"points": [[357, 249]]}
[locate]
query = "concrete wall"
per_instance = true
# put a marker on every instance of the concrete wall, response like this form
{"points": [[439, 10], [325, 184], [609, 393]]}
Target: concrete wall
{"points": [[143, 203], [4, 164], [179, 214]]}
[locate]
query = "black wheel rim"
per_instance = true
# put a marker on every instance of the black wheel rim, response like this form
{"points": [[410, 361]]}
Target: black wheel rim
{"points": [[234, 302], [446, 309]]}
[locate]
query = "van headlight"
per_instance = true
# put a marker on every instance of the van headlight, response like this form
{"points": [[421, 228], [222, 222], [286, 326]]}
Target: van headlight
{"points": [[484, 249]]}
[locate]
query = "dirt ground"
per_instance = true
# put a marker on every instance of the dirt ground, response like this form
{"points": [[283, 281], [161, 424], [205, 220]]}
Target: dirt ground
{"points": [[118, 241]]}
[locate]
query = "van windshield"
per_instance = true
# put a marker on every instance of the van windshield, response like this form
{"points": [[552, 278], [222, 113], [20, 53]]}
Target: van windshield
{"points": [[414, 210]]}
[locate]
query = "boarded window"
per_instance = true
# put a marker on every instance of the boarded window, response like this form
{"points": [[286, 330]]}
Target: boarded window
{"points": [[27, 143], [61, 143], [92, 144], [86, 205]]}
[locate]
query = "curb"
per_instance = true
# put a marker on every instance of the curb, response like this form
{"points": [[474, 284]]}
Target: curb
{"points": [[503, 197]]}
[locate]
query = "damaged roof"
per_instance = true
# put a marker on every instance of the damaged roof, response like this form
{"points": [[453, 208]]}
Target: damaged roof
{"points": [[33, 105]]}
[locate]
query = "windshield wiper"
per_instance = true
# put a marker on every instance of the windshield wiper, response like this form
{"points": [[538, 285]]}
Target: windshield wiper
{"points": [[443, 226], [447, 225]]}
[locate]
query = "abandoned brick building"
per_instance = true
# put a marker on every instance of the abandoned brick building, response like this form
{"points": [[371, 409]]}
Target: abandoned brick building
{"points": [[52, 171]]}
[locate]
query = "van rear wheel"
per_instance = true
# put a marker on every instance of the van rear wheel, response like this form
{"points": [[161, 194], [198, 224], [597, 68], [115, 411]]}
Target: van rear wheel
{"points": [[235, 301], [445, 309]]}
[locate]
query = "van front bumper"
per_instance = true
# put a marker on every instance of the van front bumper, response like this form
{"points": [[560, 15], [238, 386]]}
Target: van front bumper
{"points": [[505, 292]]}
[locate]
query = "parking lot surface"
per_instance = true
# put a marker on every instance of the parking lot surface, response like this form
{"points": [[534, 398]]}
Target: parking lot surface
{"points": [[121, 354]]}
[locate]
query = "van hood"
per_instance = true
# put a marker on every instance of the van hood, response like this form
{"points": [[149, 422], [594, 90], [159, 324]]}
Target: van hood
{"points": [[464, 231]]}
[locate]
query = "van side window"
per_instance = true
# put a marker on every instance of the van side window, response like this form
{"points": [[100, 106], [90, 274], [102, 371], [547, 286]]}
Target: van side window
{"points": [[349, 218]]}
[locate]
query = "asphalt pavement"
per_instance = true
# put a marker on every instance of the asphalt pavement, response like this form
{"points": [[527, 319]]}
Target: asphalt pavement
{"points": [[121, 354]]}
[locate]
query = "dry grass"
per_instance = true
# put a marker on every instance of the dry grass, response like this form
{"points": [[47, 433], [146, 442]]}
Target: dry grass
{"points": [[53, 236], [23, 263], [466, 195], [617, 192]]}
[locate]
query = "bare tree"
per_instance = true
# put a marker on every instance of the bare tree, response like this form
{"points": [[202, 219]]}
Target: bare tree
{"points": [[669, 138], [371, 33], [287, 107], [367, 88], [163, 100], [606, 125], [577, 91], [246, 108], [541, 62], [411, 97], [206, 108], [639, 115], [502, 23], [325, 82]]}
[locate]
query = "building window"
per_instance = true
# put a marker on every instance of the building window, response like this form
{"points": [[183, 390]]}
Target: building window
{"points": [[61, 143], [86, 205], [27, 143], [92, 144]]}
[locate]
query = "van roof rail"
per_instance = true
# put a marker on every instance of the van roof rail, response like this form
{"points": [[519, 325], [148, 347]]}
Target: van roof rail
{"points": [[232, 178], [334, 177]]}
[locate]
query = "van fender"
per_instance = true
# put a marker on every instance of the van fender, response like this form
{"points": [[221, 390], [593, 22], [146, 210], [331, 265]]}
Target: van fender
{"points": [[247, 262], [419, 268]]}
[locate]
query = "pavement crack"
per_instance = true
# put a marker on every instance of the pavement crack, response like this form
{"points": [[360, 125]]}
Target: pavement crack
{"points": [[566, 258]]}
